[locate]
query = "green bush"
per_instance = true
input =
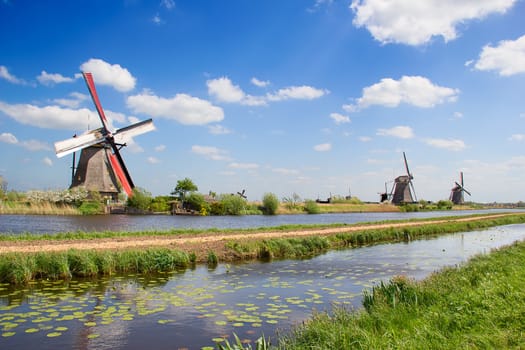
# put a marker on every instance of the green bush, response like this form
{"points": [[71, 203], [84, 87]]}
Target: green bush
{"points": [[195, 201], [141, 199], [160, 204], [232, 204], [270, 204], [311, 207], [444, 204], [91, 208]]}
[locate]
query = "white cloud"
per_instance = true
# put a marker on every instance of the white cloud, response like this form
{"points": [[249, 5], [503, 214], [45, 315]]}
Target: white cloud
{"points": [[224, 90], [7, 137], [246, 166], [339, 118], [507, 58], [365, 139], [157, 20], [218, 130], [49, 79], [153, 160], [451, 145], [160, 148], [323, 147], [4, 74], [109, 74], [31, 145], [402, 132], [259, 83], [74, 102], [47, 161], [182, 108], [413, 90], [517, 137], [417, 22], [458, 115], [212, 153], [297, 92], [49, 117]]}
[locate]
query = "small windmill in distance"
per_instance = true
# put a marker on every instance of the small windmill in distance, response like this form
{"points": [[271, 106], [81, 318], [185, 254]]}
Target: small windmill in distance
{"points": [[101, 167], [403, 190], [456, 193], [241, 194]]}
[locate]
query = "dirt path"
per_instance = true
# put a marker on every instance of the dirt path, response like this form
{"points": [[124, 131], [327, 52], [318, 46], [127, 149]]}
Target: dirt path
{"points": [[200, 243]]}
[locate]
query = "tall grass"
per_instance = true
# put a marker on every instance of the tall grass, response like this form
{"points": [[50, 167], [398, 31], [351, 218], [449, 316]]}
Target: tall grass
{"points": [[16, 268], [37, 208], [480, 305]]}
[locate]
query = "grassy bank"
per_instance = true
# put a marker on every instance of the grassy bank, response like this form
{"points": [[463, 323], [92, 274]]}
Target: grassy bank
{"points": [[480, 305], [42, 208], [20, 268]]}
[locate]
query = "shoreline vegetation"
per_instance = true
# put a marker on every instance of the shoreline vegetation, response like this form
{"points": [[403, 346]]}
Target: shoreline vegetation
{"points": [[29, 257], [478, 305]]}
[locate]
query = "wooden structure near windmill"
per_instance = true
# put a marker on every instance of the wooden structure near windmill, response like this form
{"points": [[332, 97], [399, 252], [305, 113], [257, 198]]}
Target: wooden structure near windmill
{"points": [[457, 192], [101, 167]]}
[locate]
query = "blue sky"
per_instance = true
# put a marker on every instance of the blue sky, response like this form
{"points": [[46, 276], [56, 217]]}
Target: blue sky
{"points": [[308, 97]]}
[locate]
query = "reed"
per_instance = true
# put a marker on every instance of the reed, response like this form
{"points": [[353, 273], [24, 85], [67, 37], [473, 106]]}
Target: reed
{"points": [[18, 268], [37, 208], [479, 305]]}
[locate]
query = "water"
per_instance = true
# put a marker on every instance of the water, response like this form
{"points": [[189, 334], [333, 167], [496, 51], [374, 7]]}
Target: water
{"points": [[188, 310], [16, 224]]}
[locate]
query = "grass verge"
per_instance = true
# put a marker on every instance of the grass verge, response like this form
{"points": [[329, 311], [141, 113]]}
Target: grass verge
{"points": [[480, 305]]}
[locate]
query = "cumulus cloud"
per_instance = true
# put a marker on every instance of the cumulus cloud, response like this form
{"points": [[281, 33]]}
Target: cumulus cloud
{"points": [[7, 137], [4, 74], [451, 145], [182, 108], [212, 153], [31, 145], [339, 118], [223, 90], [417, 22], [160, 148], [402, 132], [413, 90], [46, 78], [168, 4], [323, 147], [297, 92], [109, 74], [507, 58], [75, 100], [48, 117]]}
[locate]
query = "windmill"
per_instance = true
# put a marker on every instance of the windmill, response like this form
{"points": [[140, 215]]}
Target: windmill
{"points": [[456, 194], [241, 194], [403, 189], [101, 167]]}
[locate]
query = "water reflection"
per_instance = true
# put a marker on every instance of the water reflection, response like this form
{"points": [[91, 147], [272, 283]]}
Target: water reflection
{"points": [[189, 309]]}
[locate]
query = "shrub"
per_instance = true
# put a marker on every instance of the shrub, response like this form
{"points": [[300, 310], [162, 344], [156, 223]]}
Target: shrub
{"points": [[195, 201], [232, 204], [91, 208], [141, 199], [311, 207], [270, 204]]}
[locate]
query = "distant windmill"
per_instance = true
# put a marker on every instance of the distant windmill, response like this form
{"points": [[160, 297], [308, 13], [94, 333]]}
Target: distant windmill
{"points": [[241, 194], [403, 189], [456, 194], [100, 167]]}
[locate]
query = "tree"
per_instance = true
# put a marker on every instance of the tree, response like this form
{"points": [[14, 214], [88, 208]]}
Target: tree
{"points": [[183, 187]]}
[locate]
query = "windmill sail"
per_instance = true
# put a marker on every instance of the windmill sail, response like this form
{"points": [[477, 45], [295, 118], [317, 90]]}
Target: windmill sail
{"points": [[457, 192], [403, 190]]}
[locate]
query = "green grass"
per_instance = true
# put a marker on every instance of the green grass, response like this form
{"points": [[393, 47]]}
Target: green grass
{"points": [[18, 268], [480, 305]]}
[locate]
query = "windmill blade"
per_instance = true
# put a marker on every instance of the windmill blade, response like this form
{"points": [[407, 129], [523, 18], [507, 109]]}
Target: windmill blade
{"points": [[461, 178], [88, 77], [65, 147], [124, 134], [121, 172], [413, 190], [406, 166]]}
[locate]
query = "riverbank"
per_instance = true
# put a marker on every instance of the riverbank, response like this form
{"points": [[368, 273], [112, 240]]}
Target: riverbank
{"points": [[28, 257], [480, 305]]}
